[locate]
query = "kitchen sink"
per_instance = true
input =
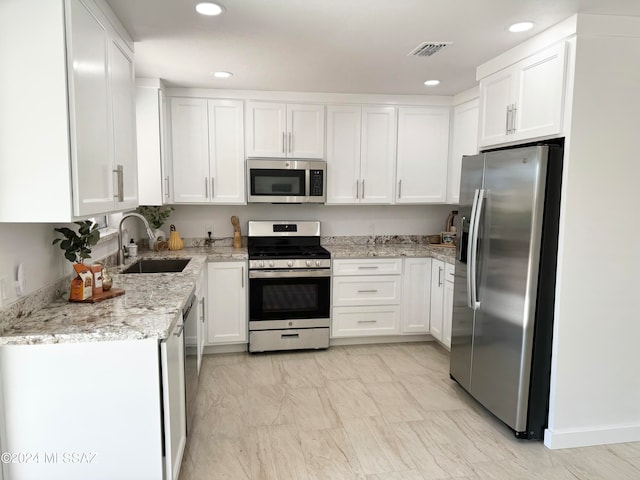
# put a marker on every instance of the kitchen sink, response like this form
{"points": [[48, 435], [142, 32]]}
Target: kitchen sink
{"points": [[157, 265]]}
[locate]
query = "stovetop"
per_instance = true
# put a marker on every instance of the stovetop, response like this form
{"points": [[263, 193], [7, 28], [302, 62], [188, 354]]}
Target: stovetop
{"points": [[288, 251]]}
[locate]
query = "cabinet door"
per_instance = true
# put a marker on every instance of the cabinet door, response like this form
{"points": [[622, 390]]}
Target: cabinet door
{"points": [[174, 403], [124, 128], [447, 314], [190, 150], [305, 131], [149, 152], [496, 96], [539, 103], [91, 130], [365, 321], [226, 151], [464, 141], [378, 155], [423, 147], [266, 129], [416, 293], [437, 292], [227, 312], [366, 290], [202, 295], [343, 154]]}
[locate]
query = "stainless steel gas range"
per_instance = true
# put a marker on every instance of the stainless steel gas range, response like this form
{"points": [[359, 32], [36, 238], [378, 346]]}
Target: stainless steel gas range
{"points": [[289, 286]]}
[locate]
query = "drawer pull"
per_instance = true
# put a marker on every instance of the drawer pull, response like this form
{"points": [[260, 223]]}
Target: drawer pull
{"points": [[289, 335], [367, 291], [367, 321], [375, 267]]}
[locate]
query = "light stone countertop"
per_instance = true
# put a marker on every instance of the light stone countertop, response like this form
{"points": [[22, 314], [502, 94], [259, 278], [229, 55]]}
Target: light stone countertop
{"points": [[446, 254], [153, 302]]}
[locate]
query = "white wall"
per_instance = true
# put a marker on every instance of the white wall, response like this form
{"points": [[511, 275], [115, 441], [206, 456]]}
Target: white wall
{"points": [[336, 220], [595, 391]]}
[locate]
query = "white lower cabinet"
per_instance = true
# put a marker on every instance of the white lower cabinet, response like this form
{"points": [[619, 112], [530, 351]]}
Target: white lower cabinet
{"points": [[441, 301], [366, 303], [227, 309], [173, 397], [416, 293], [103, 402]]}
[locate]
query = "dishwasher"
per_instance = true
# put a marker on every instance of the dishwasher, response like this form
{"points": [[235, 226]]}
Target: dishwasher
{"points": [[190, 319]]}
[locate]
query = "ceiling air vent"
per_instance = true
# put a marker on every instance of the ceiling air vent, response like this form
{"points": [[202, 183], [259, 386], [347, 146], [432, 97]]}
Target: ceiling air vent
{"points": [[427, 49]]}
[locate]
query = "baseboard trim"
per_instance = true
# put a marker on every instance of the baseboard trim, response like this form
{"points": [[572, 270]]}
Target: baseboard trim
{"points": [[559, 439]]}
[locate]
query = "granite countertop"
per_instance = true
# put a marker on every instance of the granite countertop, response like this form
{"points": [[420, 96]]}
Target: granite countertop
{"points": [[446, 254], [150, 308], [153, 302]]}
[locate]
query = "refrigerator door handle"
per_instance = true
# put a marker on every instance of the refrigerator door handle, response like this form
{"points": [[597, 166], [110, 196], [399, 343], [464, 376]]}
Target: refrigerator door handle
{"points": [[470, 248], [475, 304]]}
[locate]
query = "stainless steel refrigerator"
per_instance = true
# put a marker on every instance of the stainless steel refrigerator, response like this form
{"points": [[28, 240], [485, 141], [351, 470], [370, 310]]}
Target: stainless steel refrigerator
{"points": [[506, 257]]}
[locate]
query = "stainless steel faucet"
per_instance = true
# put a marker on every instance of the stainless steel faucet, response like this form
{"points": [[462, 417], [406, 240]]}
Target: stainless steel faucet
{"points": [[150, 234]]}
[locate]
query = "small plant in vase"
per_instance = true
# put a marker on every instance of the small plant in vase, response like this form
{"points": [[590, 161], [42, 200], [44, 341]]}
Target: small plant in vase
{"points": [[156, 216], [76, 246]]}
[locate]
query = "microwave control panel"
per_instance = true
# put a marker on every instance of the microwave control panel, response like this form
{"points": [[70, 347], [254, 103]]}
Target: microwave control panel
{"points": [[316, 179]]}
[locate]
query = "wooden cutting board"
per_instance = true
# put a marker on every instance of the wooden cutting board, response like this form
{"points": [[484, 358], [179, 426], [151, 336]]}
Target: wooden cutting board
{"points": [[114, 292]]}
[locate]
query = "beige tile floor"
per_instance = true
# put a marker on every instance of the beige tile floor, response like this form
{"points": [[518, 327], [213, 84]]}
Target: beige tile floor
{"points": [[382, 412]]}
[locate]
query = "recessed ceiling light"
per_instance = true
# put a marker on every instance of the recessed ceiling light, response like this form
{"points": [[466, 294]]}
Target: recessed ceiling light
{"points": [[521, 27], [432, 83], [208, 8], [222, 74]]}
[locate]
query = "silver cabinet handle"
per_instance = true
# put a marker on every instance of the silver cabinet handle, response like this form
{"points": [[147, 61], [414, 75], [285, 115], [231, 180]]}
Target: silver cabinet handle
{"points": [[283, 150], [399, 189], [439, 276], [507, 126], [202, 303], [242, 278], [290, 142], [363, 189], [514, 112], [206, 187], [212, 187], [119, 171], [374, 267], [367, 321], [180, 329], [357, 189], [166, 191], [367, 291]]}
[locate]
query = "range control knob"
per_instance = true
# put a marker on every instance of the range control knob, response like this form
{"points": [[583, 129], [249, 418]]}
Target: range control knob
{"points": [[308, 263], [260, 264], [317, 263], [271, 263], [290, 263]]}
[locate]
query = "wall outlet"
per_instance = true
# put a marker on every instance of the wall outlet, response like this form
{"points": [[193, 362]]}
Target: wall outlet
{"points": [[208, 228], [4, 290]]}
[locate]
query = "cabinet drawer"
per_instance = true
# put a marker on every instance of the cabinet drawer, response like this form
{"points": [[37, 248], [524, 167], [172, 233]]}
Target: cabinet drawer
{"points": [[374, 290], [365, 321], [379, 266], [449, 272]]}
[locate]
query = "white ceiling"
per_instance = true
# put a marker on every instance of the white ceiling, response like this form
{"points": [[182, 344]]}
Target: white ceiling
{"points": [[341, 46]]}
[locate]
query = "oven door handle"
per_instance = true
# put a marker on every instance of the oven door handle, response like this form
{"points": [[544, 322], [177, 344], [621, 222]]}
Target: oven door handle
{"points": [[298, 273]]}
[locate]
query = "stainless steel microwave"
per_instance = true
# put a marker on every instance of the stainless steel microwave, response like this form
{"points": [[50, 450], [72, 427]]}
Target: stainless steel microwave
{"points": [[286, 180]]}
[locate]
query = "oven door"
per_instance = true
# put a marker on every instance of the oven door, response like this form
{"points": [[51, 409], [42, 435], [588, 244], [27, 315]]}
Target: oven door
{"points": [[289, 298]]}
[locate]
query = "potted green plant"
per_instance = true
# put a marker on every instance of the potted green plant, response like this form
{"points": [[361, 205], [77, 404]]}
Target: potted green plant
{"points": [[156, 216], [76, 246]]}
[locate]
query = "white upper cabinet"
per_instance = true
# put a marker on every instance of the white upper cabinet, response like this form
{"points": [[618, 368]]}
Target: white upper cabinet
{"points": [[360, 154], [207, 151], [423, 147], [464, 141], [524, 101], [153, 173], [75, 158], [285, 130]]}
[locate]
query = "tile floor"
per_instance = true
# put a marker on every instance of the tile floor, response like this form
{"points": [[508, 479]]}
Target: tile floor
{"points": [[375, 412]]}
